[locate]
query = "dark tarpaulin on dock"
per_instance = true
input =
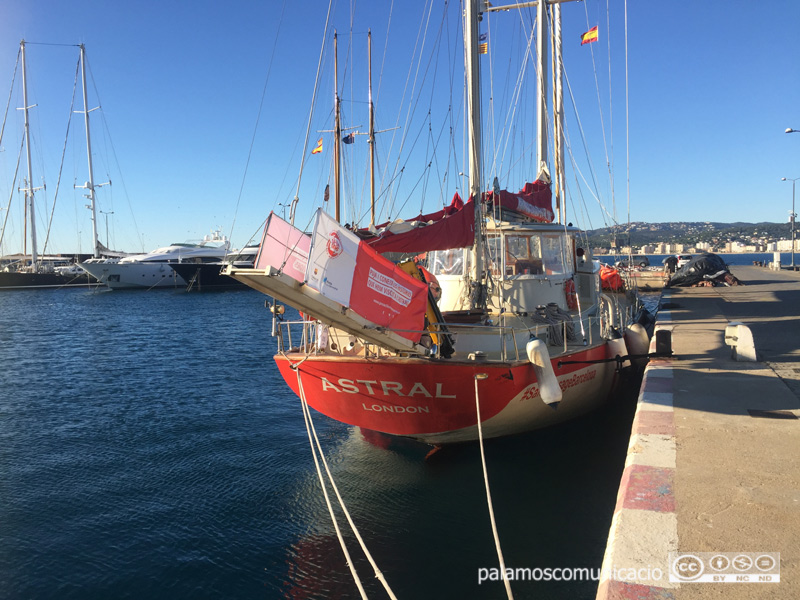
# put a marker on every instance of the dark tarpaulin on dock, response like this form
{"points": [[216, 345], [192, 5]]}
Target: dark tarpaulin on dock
{"points": [[703, 268]]}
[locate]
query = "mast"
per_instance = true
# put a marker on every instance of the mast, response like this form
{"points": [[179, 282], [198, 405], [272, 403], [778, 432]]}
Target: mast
{"points": [[371, 137], [560, 111], [89, 184], [558, 117], [541, 84], [337, 131], [472, 67], [30, 189]]}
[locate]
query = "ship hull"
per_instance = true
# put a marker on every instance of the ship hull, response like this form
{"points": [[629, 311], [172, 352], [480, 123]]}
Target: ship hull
{"points": [[23, 281], [206, 276], [433, 401], [134, 275]]}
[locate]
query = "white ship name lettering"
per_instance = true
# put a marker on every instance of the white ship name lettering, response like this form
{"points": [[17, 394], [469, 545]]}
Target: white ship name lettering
{"points": [[369, 387], [396, 409]]}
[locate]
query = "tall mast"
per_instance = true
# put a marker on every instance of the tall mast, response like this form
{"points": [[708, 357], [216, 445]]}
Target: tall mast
{"points": [[560, 113], [371, 136], [541, 84], [30, 189], [89, 184], [558, 116], [471, 58], [337, 130]]}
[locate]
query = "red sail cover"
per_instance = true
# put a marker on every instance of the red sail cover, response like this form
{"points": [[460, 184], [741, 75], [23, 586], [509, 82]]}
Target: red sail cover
{"points": [[533, 201], [451, 227]]}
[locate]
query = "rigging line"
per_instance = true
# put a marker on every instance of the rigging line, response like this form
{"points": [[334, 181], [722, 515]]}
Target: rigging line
{"points": [[588, 185], [422, 36], [139, 235], [296, 198], [609, 165], [488, 492], [10, 95], [258, 119], [63, 154], [516, 95], [385, 52], [583, 135], [627, 122], [13, 185], [610, 109], [51, 44], [307, 418]]}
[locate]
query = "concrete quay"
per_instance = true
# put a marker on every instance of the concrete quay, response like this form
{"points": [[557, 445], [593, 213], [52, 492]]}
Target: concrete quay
{"points": [[713, 465]]}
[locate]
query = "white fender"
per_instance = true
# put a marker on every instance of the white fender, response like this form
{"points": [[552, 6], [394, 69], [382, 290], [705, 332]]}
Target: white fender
{"points": [[617, 347], [637, 342], [549, 389]]}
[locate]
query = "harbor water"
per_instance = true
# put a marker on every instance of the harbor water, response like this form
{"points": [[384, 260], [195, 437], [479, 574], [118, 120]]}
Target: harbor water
{"points": [[149, 448]]}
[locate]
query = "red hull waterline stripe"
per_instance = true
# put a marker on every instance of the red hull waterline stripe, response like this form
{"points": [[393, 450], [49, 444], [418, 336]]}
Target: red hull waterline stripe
{"points": [[644, 529]]}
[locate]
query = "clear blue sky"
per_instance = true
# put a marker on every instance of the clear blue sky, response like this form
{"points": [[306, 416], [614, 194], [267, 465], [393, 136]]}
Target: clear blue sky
{"points": [[713, 86]]}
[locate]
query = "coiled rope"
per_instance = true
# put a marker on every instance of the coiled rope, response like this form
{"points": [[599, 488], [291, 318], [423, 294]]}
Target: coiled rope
{"points": [[312, 438], [488, 493]]}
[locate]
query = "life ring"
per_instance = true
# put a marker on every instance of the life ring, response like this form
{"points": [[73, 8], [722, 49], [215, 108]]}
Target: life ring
{"points": [[569, 292]]}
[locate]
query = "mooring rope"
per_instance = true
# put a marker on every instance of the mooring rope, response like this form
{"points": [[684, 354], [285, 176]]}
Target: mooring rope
{"points": [[488, 492], [311, 430]]}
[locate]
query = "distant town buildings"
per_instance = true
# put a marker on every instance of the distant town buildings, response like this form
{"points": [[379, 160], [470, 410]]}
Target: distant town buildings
{"points": [[727, 247]]}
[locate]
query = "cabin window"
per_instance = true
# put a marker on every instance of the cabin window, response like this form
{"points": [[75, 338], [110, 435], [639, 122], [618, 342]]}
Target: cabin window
{"points": [[554, 254], [448, 262], [524, 254], [494, 245]]}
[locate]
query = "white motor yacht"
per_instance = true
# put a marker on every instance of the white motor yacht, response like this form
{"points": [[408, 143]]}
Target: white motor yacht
{"points": [[152, 270]]}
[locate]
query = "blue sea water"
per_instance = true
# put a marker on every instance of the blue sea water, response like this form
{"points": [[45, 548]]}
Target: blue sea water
{"points": [[150, 449]]}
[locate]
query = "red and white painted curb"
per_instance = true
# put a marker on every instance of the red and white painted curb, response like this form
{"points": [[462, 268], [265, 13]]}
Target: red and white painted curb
{"points": [[644, 529]]}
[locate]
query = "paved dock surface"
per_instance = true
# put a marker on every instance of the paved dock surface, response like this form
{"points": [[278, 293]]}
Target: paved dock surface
{"points": [[712, 467]]}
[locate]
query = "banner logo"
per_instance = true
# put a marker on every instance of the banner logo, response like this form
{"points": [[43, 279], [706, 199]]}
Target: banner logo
{"points": [[334, 245]]}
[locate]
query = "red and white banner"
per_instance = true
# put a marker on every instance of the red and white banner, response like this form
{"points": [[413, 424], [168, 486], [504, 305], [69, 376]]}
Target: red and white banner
{"points": [[283, 247], [346, 270]]}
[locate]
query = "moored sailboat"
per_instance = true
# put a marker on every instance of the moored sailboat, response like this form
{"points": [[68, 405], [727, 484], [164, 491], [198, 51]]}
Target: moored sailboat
{"points": [[35, 270], [502, 325]]}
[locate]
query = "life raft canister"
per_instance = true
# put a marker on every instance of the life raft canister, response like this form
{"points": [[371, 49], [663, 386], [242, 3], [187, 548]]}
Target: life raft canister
{"points": [[569, 292], [610, 279]]}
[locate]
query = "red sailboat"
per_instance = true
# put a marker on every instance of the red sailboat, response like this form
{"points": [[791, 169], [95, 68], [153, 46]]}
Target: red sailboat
{"points": [[504, 321]]}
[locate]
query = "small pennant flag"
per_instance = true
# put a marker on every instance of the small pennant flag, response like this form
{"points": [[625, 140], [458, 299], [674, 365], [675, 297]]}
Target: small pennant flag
{"points": [[318, 148], [483, 46], [349, 138], [590, 36]]}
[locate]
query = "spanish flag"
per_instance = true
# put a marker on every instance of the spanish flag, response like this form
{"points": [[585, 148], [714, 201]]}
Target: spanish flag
{"points": [[590, 36], [318, 149]]}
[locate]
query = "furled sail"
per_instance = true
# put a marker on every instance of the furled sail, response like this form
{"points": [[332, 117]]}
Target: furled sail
{"points": [[451, 227], [454, 225], [533, 201]]}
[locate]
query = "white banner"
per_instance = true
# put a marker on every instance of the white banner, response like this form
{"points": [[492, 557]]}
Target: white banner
{"points": [[332, 259]]}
